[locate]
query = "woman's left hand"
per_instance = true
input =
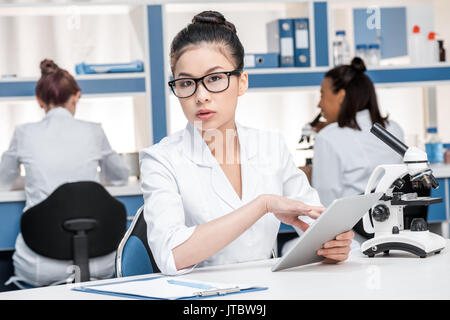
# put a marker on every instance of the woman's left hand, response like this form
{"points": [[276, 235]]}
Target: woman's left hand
{"points": [[337, 250]]}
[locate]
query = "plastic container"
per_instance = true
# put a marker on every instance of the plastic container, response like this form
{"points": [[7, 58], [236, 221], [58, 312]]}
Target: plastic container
{"points": [[341, 49], [374, 54], [362, 52], [434, 147], [418, 43], [432, 48]]}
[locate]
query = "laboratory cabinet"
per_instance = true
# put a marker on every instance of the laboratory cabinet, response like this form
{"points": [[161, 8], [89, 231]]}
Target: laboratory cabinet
{"points": [[439, 212]]}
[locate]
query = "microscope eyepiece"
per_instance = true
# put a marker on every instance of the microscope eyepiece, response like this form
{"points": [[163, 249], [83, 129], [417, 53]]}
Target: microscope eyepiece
{"points": [[388, 138]]}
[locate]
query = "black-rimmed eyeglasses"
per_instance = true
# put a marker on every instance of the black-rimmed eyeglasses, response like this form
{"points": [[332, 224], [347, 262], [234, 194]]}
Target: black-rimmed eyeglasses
{"points": [[213, 82]]}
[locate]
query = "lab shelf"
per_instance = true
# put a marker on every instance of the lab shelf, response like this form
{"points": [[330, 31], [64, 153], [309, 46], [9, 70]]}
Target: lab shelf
{"points": [[127, 84], [381, 76], [131, 84]]}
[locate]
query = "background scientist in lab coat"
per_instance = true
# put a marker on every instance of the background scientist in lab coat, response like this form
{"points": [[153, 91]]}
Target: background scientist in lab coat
{"points": [[56, 150], [345, 151], [215, 192]]}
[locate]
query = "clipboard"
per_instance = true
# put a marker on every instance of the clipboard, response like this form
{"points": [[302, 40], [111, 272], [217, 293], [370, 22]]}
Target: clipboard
{"points": [[166, 288]]}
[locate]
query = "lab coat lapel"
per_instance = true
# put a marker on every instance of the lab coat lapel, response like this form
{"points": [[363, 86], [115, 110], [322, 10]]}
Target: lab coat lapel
{"points": [[196, 149], [249, 174], [223, 188]]}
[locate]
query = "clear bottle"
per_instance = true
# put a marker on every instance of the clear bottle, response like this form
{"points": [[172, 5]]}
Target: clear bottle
{"points": [[432, 48], [434, 147], [341, 49], [337, 53], [374, 54], [361, 52], [418, 43]]}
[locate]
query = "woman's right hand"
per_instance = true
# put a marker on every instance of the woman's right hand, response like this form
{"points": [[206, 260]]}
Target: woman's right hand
{"points": [[288, 210]]}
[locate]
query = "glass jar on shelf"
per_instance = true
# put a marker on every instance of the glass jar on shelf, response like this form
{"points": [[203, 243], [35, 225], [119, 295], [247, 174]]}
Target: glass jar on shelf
{"points": [[341, 49], [361, 52], [374, 54]]}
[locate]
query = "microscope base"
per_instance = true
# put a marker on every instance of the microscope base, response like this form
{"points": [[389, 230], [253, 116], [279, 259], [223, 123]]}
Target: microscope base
{"points": [[420, 243]]}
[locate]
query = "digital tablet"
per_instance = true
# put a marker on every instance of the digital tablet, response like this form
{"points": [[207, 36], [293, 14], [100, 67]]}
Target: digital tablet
{"points": [[340, 216]]}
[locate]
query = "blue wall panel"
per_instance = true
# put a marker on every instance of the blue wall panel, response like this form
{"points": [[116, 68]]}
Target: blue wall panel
{"points": [[392, 31], [157, 66], [321, 33]]}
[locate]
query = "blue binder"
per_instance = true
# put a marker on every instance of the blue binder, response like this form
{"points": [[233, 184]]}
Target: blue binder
{"points": [[261, 60], [280, 39], [302, 55]]}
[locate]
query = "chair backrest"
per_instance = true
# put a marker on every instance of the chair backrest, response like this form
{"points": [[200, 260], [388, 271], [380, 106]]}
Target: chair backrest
{"points": [[134, 256], [44, 226]]}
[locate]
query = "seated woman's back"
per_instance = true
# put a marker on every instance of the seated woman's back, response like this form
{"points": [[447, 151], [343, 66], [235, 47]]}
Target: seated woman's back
{"points": [[61, 149]]}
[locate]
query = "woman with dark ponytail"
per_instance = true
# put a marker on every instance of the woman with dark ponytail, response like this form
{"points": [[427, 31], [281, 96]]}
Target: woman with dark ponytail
{"points": [[53, 151], [215, 192], [345, 151]]}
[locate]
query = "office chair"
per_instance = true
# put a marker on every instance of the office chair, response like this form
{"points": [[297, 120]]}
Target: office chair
{"points": [[134, 256], [78, 221]]}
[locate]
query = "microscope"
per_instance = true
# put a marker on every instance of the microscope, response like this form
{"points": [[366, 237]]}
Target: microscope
{"points": [[308, 133], [385, 219]]}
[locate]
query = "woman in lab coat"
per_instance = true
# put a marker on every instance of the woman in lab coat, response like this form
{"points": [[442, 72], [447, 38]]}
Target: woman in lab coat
{"points": [[215, 192], [53, 151], [345, 151]]}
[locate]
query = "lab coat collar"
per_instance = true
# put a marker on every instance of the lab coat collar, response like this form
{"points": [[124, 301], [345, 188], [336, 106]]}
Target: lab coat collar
{"points": [[58, 111], [196, 149], [363, 117]]}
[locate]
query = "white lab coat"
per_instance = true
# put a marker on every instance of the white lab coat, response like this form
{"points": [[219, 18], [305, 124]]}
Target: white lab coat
{"points": [[344, 158], [56, 150], [184, 186]]}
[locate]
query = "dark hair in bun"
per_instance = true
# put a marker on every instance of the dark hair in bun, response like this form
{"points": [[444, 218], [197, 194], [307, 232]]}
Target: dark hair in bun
{"points": [[48, 67], [358, 65], [359, 93], [56, 85], [210, 27], [213, 17]]}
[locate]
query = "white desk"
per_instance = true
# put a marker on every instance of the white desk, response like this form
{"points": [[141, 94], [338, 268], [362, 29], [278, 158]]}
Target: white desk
{"points": [[399, 276], [132, 188]]}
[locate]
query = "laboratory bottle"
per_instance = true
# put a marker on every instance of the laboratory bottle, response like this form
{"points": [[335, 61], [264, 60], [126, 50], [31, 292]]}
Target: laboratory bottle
{"points": [[417, 46], [374, 54], [432, 48], [341, 49], [337, 53], [361, 52], [441, 51], [433, 146]]}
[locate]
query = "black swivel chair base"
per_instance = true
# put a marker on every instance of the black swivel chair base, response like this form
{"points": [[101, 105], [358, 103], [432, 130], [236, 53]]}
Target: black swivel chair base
{"points": [[78, 221]]}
